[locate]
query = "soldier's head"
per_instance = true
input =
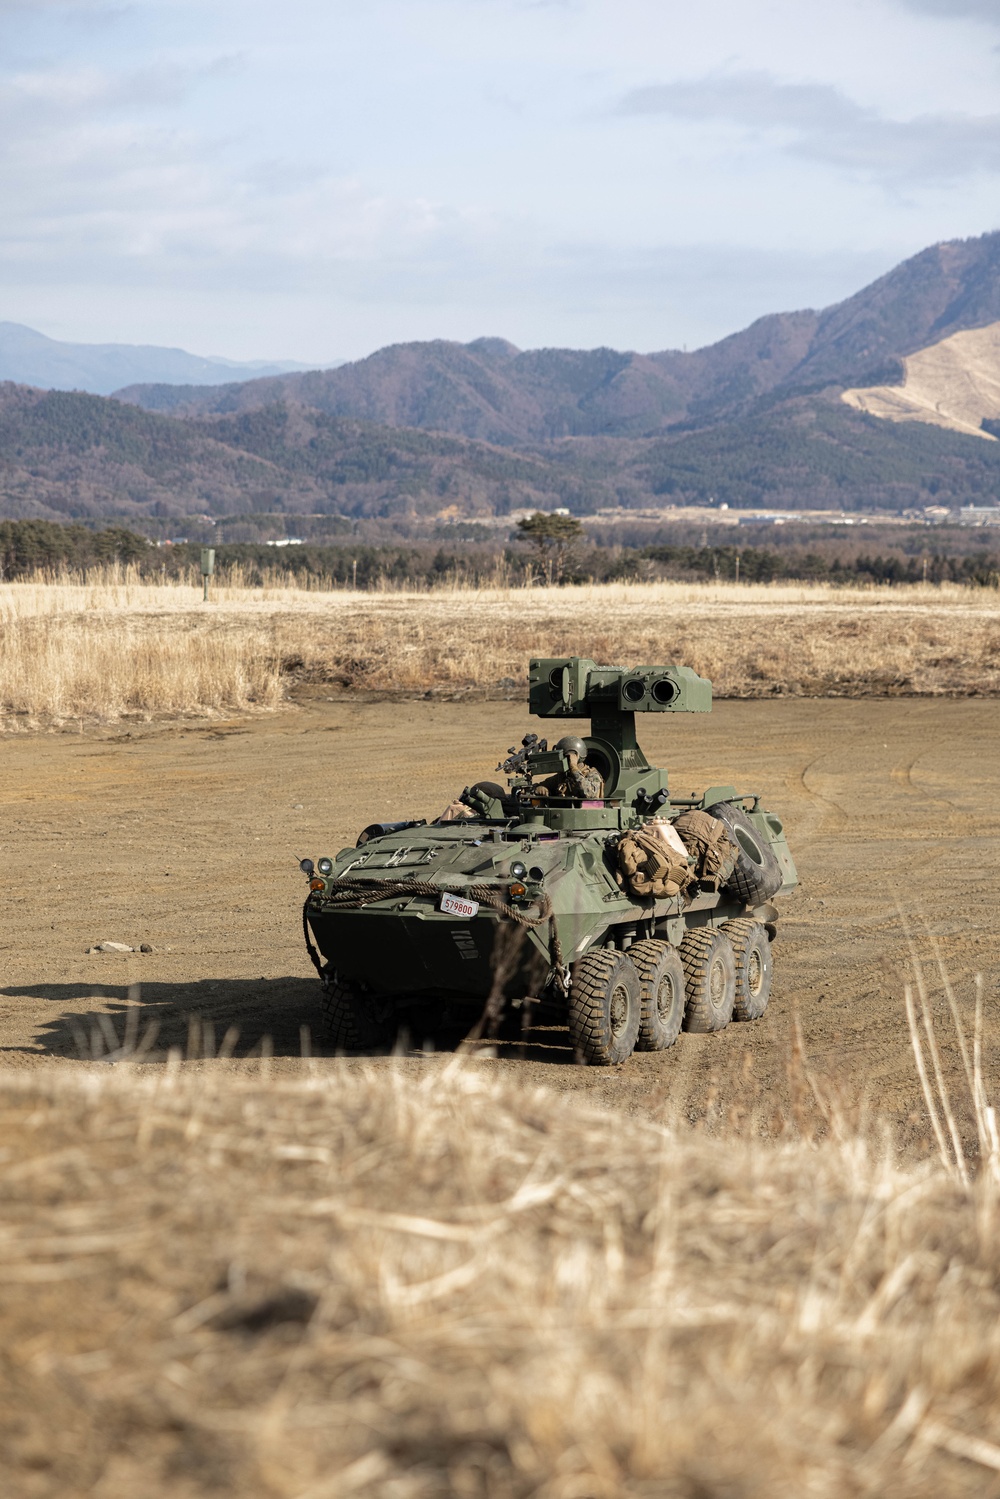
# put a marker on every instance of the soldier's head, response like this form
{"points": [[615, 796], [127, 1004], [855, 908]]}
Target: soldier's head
{"points": [[572, 744]]}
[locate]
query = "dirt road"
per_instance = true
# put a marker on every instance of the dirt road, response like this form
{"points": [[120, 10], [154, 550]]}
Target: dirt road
{"points": [[187, 838]]}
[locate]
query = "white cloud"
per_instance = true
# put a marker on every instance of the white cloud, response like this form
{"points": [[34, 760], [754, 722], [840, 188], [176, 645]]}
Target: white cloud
{"points": [[750, 99], [92, 14], [979, 10], [821, 123], [445, 167], [82, 92]]}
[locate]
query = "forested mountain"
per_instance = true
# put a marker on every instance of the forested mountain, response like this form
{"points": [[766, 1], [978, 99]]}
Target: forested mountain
{"points": [[813, 452], [64, 455], [71, 456], [492, 391]]}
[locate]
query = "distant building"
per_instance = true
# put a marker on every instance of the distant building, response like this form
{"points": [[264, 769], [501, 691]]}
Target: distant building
{"points": [[980, 515], [769, 517]]}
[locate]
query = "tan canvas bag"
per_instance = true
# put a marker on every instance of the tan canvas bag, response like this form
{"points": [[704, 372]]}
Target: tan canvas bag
{"points": [[707, 839], [649, 866]]}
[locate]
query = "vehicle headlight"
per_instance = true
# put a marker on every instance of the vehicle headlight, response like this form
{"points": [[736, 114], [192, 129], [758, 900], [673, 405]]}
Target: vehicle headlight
{"points": [[325, 866]]}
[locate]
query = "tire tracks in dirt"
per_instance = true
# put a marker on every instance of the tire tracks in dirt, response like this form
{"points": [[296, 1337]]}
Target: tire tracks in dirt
{"points": [[189, 841]]}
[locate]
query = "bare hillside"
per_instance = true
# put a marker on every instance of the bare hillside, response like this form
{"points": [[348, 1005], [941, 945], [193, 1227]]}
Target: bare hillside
{"points": [[954, 384]]}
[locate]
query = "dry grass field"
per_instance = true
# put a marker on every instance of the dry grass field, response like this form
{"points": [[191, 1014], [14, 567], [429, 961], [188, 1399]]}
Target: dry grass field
{"points": [[114, 648], [417, 1286]]}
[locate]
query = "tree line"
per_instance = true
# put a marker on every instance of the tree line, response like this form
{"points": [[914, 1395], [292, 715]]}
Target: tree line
{"points": [[761, 565], [28, 546], [559, 552]]}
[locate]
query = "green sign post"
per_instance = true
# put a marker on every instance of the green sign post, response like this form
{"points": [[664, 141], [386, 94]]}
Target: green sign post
{"points": [[207, 567]]}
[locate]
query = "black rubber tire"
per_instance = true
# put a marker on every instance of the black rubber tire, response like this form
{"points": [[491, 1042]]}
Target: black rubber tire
{"points": [[346, 1027], [709, 979], [754, 966], [661, 975], [757, 875], [605, 1007]]}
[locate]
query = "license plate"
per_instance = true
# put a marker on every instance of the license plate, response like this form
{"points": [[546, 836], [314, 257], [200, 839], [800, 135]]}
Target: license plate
{"points": [[457, 905]]}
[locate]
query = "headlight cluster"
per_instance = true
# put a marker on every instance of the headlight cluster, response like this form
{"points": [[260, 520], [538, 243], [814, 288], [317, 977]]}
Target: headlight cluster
{"points": [[311, 871]]}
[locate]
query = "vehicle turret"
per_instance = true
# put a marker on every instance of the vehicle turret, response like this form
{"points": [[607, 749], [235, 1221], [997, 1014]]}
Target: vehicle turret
{"points": [[611, 696]]}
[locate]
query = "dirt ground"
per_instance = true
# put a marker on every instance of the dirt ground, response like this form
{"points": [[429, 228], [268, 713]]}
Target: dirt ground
{"points": [[187, 838]]}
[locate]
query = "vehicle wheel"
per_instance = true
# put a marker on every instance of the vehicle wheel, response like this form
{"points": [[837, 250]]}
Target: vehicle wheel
{"points": [[757, 875], [345, 1024], [661, 976], [754, 966], [605, 1007], [709, 978]]}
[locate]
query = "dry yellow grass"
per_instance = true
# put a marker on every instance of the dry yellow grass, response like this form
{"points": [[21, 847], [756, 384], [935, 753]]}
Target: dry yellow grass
{"points": [[414, 1283], [110, 648]]}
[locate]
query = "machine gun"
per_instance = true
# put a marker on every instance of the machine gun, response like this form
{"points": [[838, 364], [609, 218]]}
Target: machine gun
{"points": [[534, 758]]}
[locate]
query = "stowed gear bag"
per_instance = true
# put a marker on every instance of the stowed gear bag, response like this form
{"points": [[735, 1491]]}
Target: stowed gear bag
{"points": [[649, 866], [707, 839]]}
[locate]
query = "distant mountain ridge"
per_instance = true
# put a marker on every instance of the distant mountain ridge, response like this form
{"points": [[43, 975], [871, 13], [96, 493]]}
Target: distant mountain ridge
{"points": [[459, 430], [494, 392], [67, 456], [30, 358]]}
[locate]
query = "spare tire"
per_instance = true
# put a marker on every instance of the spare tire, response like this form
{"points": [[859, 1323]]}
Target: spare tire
{"points": [[757, 875]]}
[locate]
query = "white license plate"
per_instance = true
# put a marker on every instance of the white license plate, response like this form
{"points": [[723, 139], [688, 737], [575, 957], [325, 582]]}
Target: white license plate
{"points": [[457, 905]]}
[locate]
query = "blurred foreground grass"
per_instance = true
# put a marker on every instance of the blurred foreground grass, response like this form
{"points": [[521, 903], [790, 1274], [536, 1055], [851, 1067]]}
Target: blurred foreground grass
{"points": [[411, 1281]]}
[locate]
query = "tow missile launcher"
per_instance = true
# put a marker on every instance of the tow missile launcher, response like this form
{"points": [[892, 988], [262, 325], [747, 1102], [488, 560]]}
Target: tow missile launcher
{"points": [[629, 914]]}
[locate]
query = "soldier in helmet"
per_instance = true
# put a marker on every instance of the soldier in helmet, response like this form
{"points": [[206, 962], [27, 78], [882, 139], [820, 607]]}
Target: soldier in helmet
{"points": [[581, 782]]}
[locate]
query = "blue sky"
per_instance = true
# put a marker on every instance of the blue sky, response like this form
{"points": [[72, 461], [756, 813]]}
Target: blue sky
{"points": [[312, 180]]}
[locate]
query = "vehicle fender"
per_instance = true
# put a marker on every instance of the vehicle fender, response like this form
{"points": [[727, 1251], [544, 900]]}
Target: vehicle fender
{"points": [[770, 826]]}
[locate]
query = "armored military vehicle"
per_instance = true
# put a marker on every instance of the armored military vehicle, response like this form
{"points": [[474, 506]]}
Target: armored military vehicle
{"points": [[635, 912]]}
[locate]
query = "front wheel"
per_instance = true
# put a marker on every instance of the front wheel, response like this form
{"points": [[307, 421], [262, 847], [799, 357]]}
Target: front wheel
{"points": [[710, 979], [754, 966], [347, 1025], [661, 975], [605, 1007]]}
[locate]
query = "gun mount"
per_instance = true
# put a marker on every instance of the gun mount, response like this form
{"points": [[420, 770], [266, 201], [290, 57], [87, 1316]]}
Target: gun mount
{"points": [[611, 696]]}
